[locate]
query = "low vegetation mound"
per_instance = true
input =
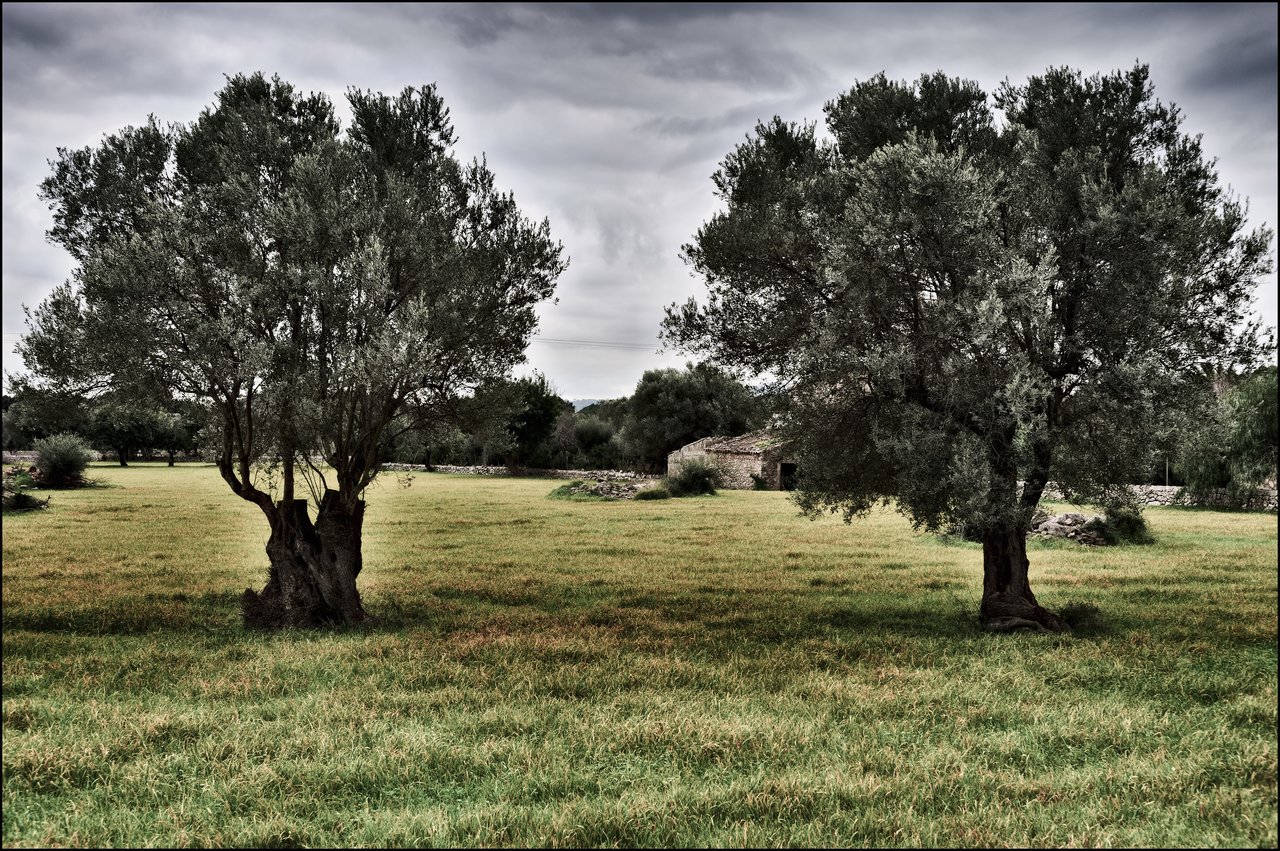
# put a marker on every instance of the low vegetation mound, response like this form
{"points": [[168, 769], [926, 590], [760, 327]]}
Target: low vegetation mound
{"points": [[582, 490], [61, 461], [1124, 524], [17, 481], [658, 492], [694, 478]]}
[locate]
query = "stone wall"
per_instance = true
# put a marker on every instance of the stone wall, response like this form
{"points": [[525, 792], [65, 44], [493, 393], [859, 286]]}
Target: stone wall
{"points": [[736, 469], [531, 472], [1173, 495], [739, 467], [694, 451], [28, 456]]}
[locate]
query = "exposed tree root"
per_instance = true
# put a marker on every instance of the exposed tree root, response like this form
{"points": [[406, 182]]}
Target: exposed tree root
{"points": [[1008, 613]]}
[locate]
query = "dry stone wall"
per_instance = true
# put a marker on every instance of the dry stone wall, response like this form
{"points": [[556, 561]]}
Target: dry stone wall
{"points": [[736, 469], [532, 472], [1173, 495]]}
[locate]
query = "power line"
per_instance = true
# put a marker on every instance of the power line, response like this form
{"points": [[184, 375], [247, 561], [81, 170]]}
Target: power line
{"points": [[598, 343]]}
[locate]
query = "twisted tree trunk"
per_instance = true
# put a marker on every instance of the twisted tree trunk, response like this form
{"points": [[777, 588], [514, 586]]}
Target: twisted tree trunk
{"points": [[1007, 601], [312, 579]]}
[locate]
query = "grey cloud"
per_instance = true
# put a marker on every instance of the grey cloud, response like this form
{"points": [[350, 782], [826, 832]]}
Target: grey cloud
{"points": [[740, 118], [663, 16], [34, 27], [617, 28], [735, 64], [1241, 65], [608, 119], [487, 24]]}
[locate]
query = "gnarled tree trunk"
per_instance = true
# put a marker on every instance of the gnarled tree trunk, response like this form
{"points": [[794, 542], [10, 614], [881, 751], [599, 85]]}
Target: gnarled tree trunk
{"points": [[312, 580], [1007, 601]]}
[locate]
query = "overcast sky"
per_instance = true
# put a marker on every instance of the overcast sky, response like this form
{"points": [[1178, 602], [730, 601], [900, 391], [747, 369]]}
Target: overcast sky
{"points": [[608, 120]]}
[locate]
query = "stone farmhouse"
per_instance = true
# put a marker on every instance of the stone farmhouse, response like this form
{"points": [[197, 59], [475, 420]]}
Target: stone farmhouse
{"points": [[743, 459]]}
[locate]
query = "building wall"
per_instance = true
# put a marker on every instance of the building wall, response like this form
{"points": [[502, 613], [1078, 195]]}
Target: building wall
{"points": [[697, 450], [739, 467]]}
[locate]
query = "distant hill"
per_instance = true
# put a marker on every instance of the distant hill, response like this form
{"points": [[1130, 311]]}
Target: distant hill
{"points": [[579, 404]]}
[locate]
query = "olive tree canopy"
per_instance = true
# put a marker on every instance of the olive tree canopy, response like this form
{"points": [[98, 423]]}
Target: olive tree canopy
{"points": [[962, 307], [319, 288]]}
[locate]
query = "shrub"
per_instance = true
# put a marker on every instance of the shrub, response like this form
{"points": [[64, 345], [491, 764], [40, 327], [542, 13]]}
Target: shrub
{"points": [[693, 478], [658, 492], [758, 483], [1125, 524], [61, 461], [19, 477]]}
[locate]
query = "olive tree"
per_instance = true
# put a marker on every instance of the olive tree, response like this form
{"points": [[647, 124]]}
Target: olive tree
{"points": [[961, 308], [318, 289]]}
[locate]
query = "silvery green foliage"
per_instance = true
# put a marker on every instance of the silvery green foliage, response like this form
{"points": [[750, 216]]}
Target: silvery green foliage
{"points": [[1231, 452], [321, 289], [954, 304]]}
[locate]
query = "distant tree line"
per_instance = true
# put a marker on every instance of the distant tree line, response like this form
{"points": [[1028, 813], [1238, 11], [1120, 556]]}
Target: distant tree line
{"points": [[516, 422], [524, 423], [118, 424], [1234, 447]]}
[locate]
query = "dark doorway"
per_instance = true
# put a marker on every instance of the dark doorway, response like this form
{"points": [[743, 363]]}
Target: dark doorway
{"points": [[788, 476]]}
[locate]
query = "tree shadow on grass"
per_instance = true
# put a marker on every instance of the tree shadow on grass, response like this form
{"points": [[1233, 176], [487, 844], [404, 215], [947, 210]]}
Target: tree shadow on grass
{"points": [[710, 622], [710, 619], [1085, 620], [212, 611]]}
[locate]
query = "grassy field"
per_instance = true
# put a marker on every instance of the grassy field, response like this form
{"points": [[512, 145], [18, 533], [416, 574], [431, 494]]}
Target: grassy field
{"points": [[706, 671]]}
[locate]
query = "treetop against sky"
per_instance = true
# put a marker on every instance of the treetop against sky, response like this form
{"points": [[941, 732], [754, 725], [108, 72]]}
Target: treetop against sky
{"points": [[607, 120]]}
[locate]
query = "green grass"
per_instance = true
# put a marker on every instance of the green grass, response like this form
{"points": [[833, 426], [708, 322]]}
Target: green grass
{"points": [[571, 493], [713, 671]]}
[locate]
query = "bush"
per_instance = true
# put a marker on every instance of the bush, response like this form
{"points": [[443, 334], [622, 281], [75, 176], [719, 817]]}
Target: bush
{"points": [[1125, 524], [658, 492], [61, 461], [693, 478], [19, 477], [758, 483]]}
